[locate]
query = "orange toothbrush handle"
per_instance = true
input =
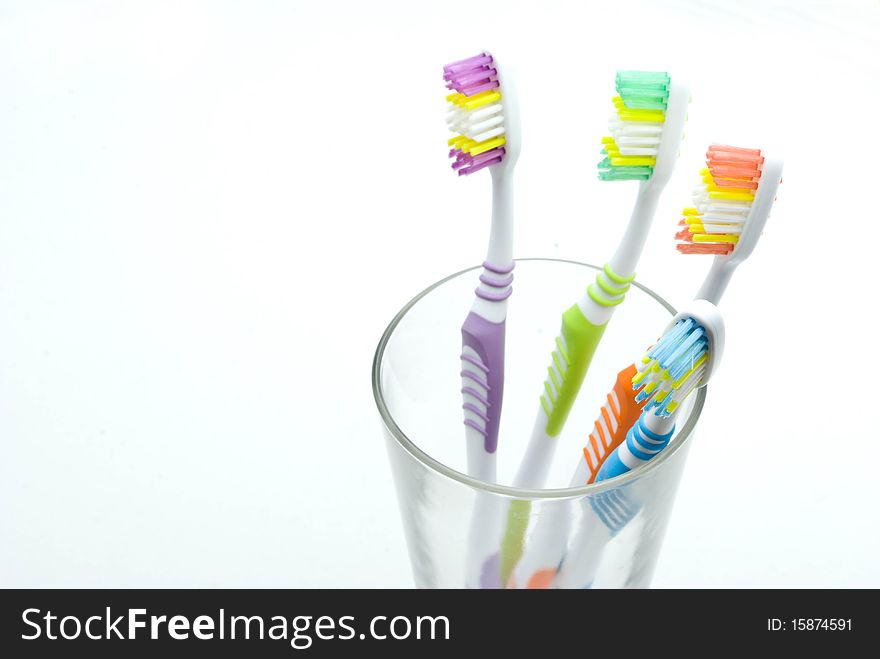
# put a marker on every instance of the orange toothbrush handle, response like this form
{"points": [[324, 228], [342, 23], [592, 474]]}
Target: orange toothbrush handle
{"points": [[616, 417]]}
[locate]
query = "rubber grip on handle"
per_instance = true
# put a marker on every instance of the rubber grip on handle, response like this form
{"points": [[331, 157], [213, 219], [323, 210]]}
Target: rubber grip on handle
{"points": [[642, 444], [617, 416], [581, 338], [486, 339], [513, 540]]}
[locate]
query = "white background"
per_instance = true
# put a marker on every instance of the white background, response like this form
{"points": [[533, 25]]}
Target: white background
{"points": [[209, 212]]}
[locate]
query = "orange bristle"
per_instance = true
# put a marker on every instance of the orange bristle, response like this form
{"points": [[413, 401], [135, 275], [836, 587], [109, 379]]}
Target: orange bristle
{"points": [[684, 234], [704, 248]]}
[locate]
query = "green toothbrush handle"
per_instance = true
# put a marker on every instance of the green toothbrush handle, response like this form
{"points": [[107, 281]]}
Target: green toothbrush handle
{"points": [[577, 344], [574, 351], [575, 347]]}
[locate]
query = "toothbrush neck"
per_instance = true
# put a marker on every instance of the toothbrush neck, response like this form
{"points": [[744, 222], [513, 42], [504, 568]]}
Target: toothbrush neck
{"points": [[500, 253], [717, 280], [625, 259], [659, 425]]}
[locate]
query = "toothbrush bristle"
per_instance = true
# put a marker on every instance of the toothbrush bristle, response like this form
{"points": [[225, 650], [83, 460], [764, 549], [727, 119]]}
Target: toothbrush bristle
{"points": [[673, 367], [723, 200], [476, 114], [636, 126], [471, 75]]}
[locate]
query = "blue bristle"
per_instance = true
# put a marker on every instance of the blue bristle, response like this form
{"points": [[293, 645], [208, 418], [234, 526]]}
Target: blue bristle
{"points": [[675, 353]]}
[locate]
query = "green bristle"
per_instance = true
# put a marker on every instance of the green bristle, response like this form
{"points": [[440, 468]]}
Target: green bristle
{"points": [[643, 90], [607, 172]]}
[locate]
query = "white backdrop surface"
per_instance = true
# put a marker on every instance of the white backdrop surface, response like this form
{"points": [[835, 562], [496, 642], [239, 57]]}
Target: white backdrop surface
{"points": [[209, 211]]}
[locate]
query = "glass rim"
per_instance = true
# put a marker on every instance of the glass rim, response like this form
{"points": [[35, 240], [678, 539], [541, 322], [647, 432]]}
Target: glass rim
{"points": [[435, 465]]}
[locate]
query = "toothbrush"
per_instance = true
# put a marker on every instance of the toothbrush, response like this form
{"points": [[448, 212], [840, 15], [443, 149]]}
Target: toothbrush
{"points": [[646, 130], [685, 358], [483, 116], [732, 202]]}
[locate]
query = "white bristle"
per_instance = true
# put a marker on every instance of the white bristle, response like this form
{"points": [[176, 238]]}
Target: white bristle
{"points": [[721, 216], [479, 124], [487, 135], [623, 128], [637, 150], [491, 122], [722, 228], [628, 140], [636, 138], [486, 111]]}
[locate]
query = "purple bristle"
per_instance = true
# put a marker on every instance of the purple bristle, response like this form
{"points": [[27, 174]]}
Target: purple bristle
{"points": [[475, 89], [472, 75], [476, 60], [467, 164]]}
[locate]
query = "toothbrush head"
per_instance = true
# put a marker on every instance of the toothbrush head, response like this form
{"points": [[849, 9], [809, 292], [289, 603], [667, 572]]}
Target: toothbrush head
{"points": [[481, 114], [683, 359], [646, 128], [732, 201]]}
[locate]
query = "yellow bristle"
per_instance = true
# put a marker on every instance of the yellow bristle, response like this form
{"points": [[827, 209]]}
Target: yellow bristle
{"points": [[612, 149], [629, 114], [477, 148], [732, 195], [456, 98], [693, 368], [481, 99], [715, 238], [617, 160], [633, 161], [638, 377], [737, 180]]}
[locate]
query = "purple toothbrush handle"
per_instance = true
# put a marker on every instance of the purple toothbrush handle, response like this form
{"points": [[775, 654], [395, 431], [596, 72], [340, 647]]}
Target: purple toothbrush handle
{"points": [[490, 575], [485, 383]]}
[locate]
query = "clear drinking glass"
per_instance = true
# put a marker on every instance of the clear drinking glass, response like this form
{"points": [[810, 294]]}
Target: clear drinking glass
{"points": [[463, 532]]}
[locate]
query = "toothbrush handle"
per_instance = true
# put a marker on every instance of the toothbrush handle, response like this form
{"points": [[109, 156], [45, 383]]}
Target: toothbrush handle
{"points": [[605, 515], [580, 565], [482, 377], [545, 549], [620, 412], [483, 559], [582, 327], [574, 351], [575, 346], [717, 280], [645, 439]]}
